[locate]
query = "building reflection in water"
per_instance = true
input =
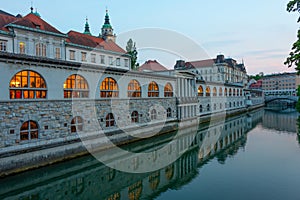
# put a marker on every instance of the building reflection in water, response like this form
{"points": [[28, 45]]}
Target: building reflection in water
{"points": [[86, 178], [281, 121]]}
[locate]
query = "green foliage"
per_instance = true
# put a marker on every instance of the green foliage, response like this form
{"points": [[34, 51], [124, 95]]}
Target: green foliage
{"points": [[294, 56], [298, 103], [131, 50], [256, 77]]}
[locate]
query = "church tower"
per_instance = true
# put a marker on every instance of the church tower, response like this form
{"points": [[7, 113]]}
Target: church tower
{"points": [[107, 32], [87, 28]]}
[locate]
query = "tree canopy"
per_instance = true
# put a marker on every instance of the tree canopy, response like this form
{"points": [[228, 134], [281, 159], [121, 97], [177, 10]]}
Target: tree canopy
{"points": [[294, 56]]}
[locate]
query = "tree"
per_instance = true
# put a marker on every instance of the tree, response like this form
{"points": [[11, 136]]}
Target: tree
{"points": [[294, 56], [256, 77], [131, 50], [298, 103]]}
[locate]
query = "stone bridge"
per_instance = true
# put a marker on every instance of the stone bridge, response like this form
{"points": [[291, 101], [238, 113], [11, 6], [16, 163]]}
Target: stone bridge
{"points": [[269, 99]]}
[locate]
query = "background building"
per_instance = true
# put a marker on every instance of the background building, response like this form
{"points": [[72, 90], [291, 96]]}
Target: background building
{"points": [[221, 69], [278, 84]]}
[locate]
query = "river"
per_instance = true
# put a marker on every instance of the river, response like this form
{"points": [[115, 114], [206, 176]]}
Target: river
{"points": [[250, 156]]}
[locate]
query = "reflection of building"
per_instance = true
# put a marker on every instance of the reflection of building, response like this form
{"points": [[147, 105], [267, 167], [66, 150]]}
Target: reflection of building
{"points": [[86, 178], [281, 121]]}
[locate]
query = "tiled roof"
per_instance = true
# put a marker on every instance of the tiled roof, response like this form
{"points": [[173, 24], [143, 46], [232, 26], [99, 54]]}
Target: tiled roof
{"points": [[203, 63], [6, 18], [256, 85], [93, 42], [152, 65], [35, 22]]}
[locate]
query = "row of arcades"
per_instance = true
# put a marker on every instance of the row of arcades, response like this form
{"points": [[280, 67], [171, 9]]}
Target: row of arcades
{"points": [[31, 85]]}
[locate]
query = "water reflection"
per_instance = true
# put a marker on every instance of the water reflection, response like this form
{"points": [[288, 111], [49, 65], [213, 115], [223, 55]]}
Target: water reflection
{"points": [[86, 178], [281, 121]]}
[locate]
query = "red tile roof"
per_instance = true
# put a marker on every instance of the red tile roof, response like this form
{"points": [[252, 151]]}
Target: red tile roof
{"points": [[6, 19], [93, 42], [257, 85], [33, 21], [203, 63], [152, 65]]}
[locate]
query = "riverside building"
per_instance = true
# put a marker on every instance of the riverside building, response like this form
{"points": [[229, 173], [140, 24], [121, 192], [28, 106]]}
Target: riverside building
{"points": [[60, 88]]}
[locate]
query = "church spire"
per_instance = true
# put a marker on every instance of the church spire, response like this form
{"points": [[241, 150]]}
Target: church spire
{"points": [[87, 27], [107, 32], [106, 21]]}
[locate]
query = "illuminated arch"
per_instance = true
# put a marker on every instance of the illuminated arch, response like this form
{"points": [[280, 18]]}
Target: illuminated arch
{"points": [[109, 88], [76, 86], [153, 90], [134, 89], [27, 85]]}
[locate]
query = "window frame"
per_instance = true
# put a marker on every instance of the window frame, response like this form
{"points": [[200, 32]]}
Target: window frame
{"points": [[27, 130], [153, 89], [76, 86], [23, 85], [109, 88]]}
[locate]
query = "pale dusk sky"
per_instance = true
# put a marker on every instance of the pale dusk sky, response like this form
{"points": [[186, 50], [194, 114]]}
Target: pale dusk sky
{"points": [[259, 32]]}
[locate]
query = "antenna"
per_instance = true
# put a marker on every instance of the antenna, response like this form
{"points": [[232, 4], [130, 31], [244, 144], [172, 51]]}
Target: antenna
{"points": [[31, 8]]}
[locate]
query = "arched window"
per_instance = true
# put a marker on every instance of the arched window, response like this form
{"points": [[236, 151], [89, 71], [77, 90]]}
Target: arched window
{"points": [[241, 93], [208, 107], [230, 92], [153, 90], [109, 88], [154, 180], [237, 92], [220, 92], [168, 91], [208, 91], [27, 85], [135, 191], [76, 86], [134, 89], [215, 92], [153, 114], [169, 113], [29, 131], [134, 117], [215, 106], [200, 108], [200, 91], [110, 120], [169, 172], [234, 92], [76, 124], [226, 94], [40, 49]]}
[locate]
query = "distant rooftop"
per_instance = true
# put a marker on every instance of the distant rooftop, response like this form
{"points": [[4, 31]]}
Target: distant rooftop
{"points": [[152, 65]]}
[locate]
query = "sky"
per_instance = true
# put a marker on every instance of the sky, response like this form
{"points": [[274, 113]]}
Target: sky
{"points": [[258, 33]]}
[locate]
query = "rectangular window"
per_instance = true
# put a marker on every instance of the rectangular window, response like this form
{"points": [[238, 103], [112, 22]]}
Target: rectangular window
{"points": [[72, 55], [57, 53], [110, 60], [83, 56], [22, 47], [118, 62], [126, 62], [3, 45], [93, 58], [102, 59], [41, 49]]}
